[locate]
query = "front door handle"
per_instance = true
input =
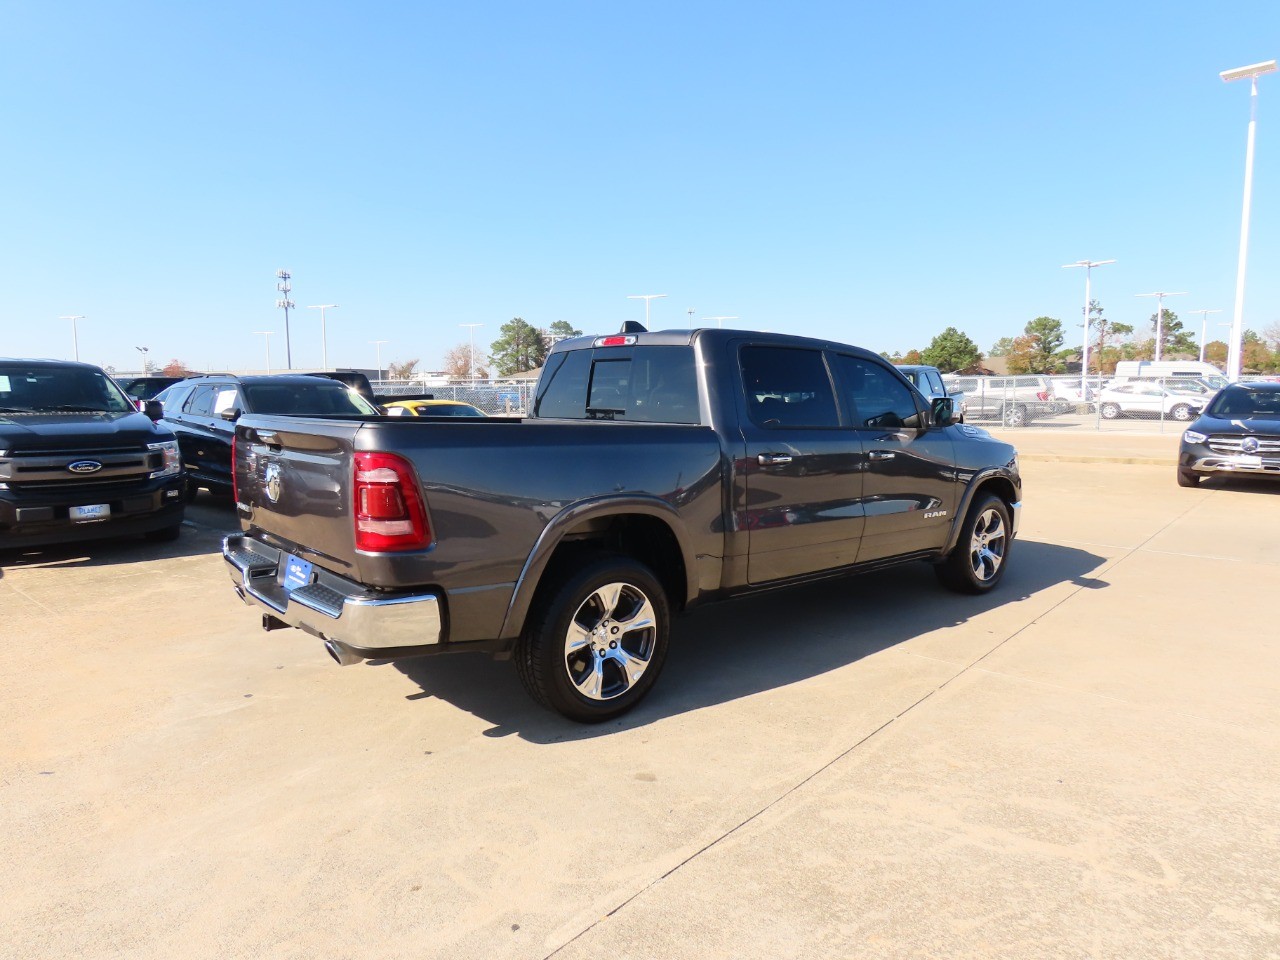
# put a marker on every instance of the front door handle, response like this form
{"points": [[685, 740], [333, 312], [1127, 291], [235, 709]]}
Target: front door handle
{"points": [[772, 459], [882, 454]]}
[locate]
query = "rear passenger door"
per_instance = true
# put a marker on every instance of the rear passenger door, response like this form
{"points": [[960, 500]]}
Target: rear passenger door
{"points": [[800, 483]]}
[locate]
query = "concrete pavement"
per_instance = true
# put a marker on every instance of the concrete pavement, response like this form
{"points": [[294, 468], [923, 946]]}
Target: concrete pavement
{"points": [[1080, 765]]}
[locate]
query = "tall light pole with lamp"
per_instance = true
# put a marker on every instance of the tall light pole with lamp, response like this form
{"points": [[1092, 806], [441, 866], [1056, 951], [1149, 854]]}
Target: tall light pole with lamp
{"points": [[146, 364], [1160, 295], [646, 297], [1204, 327], [285, 304], [75, 335], [1088, 300], [324, 337], [267, 335], [378, 345], [471, 362], [1251, 73]]}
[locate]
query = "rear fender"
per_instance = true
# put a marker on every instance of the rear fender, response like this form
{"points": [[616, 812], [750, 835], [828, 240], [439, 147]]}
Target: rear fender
{"points": [[554, 532]]}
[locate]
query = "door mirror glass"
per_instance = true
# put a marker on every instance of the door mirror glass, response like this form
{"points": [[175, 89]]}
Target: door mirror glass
{"points": [[943, 410]]}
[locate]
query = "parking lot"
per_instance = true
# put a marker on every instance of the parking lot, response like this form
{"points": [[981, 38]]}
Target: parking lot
{"points": [[1081, 764]]}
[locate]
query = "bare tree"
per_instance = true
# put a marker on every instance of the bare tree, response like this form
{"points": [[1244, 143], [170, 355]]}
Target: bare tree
{"points": [[457, 363], [403, 371]]}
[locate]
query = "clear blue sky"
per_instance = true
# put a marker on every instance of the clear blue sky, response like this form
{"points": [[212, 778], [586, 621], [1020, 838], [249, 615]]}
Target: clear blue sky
{"points": [[867, 172]]}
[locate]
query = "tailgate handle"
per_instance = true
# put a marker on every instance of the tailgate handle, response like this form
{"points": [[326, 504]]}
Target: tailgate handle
{"points": [[269, 437]]}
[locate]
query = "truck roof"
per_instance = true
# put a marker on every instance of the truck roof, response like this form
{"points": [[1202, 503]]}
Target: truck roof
{"points": [[681, 338]]}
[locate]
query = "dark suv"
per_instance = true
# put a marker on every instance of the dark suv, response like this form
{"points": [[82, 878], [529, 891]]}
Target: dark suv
{"points": [[1238, 434], [202, 412]]}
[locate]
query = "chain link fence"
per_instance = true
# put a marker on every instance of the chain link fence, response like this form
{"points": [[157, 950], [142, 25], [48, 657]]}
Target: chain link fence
{"points": [[510, 399], [1142, 404]]}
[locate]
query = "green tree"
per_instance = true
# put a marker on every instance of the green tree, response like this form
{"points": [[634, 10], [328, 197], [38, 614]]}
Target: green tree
{"points": [[562, 329], [1001, 347], [518, 349], [950, 351], [1173, 338], [1046, 336], [1101, 357]]}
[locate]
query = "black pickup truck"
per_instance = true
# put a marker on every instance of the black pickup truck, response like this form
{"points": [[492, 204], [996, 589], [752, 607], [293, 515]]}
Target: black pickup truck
{"points": [[656, 471], [78, 461]]}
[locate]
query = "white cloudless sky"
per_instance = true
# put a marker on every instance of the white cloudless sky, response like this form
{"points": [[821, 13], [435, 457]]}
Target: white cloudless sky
{"points": [[866, 173]]}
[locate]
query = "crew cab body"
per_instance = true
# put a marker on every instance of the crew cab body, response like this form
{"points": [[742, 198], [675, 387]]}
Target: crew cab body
{"points": [[78, 461], [689, 466]]}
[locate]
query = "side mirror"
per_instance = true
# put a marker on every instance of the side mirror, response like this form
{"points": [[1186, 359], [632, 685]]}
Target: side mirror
{"points": [[154, 410], [231, 415], [942, 411]]}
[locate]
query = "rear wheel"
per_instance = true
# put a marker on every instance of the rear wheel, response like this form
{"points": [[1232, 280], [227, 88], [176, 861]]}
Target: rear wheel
{"points": [[1188, 478], [595, 644], [1110, 411], [978, 560], [1015, 415]]}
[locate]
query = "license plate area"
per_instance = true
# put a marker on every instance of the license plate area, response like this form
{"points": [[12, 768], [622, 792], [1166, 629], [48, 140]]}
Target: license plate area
{"points": [[89, 513], [297, 573], [1245, 460]]}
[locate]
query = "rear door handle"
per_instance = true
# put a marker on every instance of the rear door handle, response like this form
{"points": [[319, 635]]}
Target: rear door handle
{"points": [[882, 454], [772, 459]]}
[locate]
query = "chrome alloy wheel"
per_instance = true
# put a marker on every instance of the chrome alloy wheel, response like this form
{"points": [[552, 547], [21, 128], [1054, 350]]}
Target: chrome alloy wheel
{"points": [[987, 546], [610, 641]]}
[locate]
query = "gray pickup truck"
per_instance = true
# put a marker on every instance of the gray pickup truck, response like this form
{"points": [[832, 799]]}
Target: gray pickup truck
{"points": [[657, 471]]}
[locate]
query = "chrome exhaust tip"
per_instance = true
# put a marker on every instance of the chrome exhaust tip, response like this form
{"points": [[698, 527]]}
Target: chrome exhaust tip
{"points": [[342, 655]]}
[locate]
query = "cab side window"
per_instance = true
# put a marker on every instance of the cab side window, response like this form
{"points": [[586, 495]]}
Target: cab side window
{"points": [[787, 388], [878, 400], [200, 403]]}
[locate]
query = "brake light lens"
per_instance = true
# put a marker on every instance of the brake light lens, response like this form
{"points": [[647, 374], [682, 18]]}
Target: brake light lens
{"points": [[389, 512], [1042, 395], [614, 341]]}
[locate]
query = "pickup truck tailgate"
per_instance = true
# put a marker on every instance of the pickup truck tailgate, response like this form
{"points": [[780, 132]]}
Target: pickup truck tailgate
{"points": [[293, 484]]}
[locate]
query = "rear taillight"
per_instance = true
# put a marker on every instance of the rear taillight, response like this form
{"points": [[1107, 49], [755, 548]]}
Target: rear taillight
{"points": [[235, 487], [388, 508], [1042, 395]]}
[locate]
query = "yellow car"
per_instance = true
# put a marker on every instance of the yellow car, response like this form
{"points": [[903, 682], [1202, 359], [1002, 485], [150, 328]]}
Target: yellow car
{"points": [[432, 408]]}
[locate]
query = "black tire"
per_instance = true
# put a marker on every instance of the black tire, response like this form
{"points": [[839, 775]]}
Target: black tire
{"points": [[191, 490], [1188, 478], [164, 534], [1181, 412], [597, 679], [1110, 411], [1015, 415], [978, 561]]}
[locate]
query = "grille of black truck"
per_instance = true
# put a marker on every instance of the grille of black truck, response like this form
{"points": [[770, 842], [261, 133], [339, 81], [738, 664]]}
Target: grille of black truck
{"points": [[52, 470]]}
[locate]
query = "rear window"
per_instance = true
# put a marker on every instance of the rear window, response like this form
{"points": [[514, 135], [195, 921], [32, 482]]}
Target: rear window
{"points": [[321, 398], [641, 385]]}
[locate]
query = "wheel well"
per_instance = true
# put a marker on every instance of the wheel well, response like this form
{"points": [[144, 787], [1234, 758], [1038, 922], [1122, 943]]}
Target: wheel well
{"points": [[642, 537], [1001, 487]]}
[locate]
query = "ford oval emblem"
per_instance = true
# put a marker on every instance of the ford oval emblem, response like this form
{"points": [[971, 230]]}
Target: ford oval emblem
{"points": [[272, 477], [1248, 445], [84, 466]]}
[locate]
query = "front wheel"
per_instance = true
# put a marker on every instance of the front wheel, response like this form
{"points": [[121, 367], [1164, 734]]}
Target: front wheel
{"points": [[1181, 412], [595, 644], [979, 558], [1110, 411], [1188, 478]]}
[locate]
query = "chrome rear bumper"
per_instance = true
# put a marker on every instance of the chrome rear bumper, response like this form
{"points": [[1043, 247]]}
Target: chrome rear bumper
{"points": [[333, 608]]}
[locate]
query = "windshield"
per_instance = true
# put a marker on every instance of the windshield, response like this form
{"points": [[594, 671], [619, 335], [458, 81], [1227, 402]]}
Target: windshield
{"points": [[321, 397], [38, 388], [1241, 403], [447, 410]]}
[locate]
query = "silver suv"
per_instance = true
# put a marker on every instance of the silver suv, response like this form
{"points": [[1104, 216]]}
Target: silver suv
{"points": [[1012, 401]]}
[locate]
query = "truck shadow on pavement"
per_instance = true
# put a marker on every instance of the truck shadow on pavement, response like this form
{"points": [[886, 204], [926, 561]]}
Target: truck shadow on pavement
{"points": [[727, 651]]}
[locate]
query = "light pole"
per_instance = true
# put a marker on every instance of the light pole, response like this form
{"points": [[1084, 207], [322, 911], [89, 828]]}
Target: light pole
{"points": [[471, 363], [75, 335], [378, 344], [146, 366], [1204, 327], [267, 335], [324, 337], [646, 297], [1084, 353], [690, 312], [286, 305], [1252, 72], [720, 320], [1160, 295]]}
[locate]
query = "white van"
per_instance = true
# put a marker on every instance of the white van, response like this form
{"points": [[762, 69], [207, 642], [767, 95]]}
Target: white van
{"points": [[1153, 369]]}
